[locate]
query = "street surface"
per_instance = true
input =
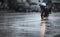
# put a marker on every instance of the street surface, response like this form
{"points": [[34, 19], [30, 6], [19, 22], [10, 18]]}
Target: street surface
{"points": [[29, 25]]}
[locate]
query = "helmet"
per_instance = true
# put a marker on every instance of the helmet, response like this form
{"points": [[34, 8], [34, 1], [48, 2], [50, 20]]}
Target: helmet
{"points": [[43, 4]]}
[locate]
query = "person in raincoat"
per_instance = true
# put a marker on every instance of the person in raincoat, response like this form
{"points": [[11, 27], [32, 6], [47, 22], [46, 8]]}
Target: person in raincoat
{"points": [[45, 11]]}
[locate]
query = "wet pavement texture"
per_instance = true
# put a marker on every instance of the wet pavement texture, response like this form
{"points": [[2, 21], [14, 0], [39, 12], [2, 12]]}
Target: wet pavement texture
{"points": [[29, 25]]}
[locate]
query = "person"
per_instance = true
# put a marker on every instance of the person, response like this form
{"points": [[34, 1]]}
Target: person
{"points": [[42, 6], [45, 11]]}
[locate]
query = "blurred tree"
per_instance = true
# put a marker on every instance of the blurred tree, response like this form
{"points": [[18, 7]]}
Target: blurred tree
{"points": [[2, 1], [12, 4]]}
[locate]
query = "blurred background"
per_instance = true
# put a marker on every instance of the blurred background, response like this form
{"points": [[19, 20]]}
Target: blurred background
{"points": [[26, 5], [25, 21]]}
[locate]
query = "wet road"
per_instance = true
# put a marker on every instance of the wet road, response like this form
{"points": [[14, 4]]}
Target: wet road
{"points": [[29, 25]]}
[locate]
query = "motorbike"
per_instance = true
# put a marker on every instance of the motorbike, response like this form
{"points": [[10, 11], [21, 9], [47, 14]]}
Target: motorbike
{"points": [[44, 11]]}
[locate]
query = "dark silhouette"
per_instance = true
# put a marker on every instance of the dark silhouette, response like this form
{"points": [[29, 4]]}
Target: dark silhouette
{"points": [[45, 10]]}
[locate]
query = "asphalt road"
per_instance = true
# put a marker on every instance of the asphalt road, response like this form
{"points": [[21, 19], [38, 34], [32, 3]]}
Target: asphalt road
{"points": [[29, 25]]}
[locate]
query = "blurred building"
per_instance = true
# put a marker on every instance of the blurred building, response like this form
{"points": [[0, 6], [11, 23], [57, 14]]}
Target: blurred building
{"points": [[2, 4], [57, 1], [7, 4], [11, 4], [56, 5], [34, 5], [22, 5]]}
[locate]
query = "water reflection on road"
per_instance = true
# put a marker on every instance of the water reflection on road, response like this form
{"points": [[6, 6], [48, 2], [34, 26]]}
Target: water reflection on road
{"points": [[29, 25], [20, 25], [44, 22], [43, 28]]}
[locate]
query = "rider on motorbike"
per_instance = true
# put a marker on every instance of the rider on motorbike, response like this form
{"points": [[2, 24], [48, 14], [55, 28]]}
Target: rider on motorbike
{"points": [[46, 7]]}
